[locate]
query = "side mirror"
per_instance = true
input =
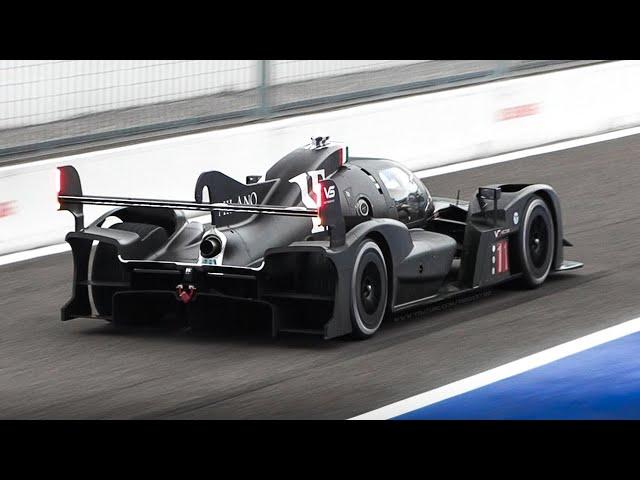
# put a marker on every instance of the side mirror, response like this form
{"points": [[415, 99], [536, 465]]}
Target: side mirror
{"points": [[489, 193], [253, 179]]}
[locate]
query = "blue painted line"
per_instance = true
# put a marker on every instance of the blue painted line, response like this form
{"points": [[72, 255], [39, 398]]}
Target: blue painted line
{"points": [[599, 383]]}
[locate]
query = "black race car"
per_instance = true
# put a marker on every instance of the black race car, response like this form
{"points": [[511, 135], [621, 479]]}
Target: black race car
{"points": [[325, 244]]}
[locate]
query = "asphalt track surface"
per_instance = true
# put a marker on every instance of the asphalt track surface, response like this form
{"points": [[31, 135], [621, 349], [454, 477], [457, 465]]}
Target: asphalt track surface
{"points": [[89, 369]]}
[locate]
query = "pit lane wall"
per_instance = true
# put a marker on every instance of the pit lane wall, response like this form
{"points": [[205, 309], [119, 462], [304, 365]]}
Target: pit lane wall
{"points": [[420, 131]]}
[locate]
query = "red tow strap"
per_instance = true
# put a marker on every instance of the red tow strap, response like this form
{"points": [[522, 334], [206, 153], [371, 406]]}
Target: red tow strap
{"points": [[185, 296]]}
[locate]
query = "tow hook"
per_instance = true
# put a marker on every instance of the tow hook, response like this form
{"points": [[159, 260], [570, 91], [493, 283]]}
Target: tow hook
{"points": [[185, 295]]}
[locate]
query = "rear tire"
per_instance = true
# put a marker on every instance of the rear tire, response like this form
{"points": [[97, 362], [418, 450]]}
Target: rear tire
{"points": [[369, 290], [536, 243]]}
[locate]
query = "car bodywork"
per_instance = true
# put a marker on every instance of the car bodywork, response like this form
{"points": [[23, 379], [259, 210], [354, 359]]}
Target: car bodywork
{"points": [[285, 247]]}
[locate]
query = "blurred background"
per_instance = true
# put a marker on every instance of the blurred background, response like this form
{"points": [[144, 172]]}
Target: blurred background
{"points": [[46, 104]]}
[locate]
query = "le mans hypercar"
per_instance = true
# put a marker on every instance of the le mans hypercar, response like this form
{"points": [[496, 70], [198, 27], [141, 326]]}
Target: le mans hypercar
{"points": [[325, 244]]}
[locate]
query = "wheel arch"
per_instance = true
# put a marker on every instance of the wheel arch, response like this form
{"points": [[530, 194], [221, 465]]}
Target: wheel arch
{"points": [[517, 200], [381, 241], [550, 197], [393, 238]]}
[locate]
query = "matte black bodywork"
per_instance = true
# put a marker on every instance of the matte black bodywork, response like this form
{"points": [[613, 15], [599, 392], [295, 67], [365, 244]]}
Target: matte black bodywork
{"points": [[297, 269]]}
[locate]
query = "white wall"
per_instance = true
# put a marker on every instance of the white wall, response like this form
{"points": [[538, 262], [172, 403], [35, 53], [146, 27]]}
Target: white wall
{"points": [[420, 131]]}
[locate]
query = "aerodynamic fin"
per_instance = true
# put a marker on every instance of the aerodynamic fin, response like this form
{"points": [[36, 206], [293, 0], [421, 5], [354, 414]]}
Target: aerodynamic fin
{"points": [[224, 189]]}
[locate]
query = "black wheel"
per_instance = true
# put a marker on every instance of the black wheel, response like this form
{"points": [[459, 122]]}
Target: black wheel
{"points": [[536, 242], [368, 290]]}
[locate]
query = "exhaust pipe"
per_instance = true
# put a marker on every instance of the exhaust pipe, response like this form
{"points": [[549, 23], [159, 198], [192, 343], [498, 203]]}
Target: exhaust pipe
{"points": [[210, 246]]}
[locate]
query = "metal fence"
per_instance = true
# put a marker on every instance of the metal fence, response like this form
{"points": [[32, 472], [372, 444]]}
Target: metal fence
{"points": [[33, 92], [52, 103]]}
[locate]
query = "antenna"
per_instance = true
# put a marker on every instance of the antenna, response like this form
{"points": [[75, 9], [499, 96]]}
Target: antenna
{"points": [[458, 198], [319, 142]]}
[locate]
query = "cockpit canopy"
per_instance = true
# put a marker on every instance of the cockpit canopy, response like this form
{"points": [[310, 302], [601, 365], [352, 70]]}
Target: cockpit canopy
{"points": [[411, 197]]}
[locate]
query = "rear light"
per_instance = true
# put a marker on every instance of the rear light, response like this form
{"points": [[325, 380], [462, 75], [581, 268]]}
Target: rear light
{"points": [[321, 202], [327, 197], [58, 185], [317, 192]]}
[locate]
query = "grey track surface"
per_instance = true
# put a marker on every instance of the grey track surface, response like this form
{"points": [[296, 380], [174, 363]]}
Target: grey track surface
{"points": [[88, 369]]}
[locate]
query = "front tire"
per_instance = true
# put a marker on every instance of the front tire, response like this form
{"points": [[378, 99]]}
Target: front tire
{"points": [[369, 290], [536, 243]]}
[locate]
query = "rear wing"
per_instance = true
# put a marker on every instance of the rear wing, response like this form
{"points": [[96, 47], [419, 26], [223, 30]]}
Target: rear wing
{"points": [[71, 199]]}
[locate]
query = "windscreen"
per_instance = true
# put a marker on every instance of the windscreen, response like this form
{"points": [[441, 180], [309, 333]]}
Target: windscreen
{"points": [[408, 193]]}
